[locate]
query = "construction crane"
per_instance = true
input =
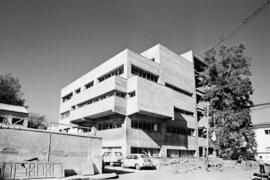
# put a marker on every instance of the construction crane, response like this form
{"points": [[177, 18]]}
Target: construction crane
{"points": [[236, 28]]}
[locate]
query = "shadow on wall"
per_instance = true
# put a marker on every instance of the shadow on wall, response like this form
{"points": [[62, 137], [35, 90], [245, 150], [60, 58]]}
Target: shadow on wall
{"points": [[174, 132]]}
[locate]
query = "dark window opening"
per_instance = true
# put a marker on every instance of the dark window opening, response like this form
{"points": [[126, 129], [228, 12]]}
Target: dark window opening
{"points": [[146, 125], [154, 152], [101, 97], [17, 121], [116, 72], [1, 119], [180, 130], [179, 89], [67, 97], [78, 90], [65, 114], [88, 85], [185, 112], [132, 94], [144, 74]]}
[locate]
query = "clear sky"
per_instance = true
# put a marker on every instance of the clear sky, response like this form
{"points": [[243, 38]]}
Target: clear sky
{"points": [[49, 43]]}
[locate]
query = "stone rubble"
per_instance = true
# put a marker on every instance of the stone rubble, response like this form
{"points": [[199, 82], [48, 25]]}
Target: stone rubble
{"points": [[189, 165]]}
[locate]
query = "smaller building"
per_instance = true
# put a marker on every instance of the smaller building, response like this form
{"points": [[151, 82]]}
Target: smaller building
{"points": [[262, 131], [13, 115]]}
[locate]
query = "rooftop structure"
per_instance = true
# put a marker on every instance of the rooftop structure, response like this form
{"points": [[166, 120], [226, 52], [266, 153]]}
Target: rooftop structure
{"points": [[13, 115]]}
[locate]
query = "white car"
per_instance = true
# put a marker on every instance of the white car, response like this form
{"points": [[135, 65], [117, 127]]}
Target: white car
{"points": [[112, 158], [138, 161]]}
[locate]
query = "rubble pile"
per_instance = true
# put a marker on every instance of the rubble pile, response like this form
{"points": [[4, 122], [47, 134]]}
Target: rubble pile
{"points": [[190, 165]]}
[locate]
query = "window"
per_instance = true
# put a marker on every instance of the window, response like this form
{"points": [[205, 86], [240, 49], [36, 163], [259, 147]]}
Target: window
{"points": [[267, 131], [131, 94], [185, 112], [180, 130], [65, 114], [78, 90], [116, 72], [73, 107], [178, 89], [146, 125], [17, 121], [88, 85], [144, 74], [67, 97], [101, 97], [143, 150], [1, 119]]}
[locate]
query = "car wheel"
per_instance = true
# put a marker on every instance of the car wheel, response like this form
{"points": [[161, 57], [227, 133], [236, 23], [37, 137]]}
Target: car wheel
{"points": [[137, 166], [111, 163]]}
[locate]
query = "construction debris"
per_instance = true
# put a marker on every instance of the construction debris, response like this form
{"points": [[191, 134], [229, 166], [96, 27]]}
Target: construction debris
{"points": [[190, 165]]}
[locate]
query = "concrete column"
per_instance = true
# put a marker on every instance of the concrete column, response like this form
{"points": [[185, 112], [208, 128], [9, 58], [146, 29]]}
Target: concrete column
{"points": [[126, 149], [93, 130], [163, 152]]}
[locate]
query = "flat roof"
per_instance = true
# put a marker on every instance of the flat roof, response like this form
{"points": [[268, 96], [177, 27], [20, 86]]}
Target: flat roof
{"points": [[13, 108]]}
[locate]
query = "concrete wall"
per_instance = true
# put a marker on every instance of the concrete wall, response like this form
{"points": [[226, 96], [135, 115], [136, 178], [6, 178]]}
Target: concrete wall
{"points": [[71, 150], [263, 141]]}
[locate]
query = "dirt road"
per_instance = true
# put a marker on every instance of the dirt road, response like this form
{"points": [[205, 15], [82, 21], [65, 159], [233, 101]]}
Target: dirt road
{"points": [[168, 173]]}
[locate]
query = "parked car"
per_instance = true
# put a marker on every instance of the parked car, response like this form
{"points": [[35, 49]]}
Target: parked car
{"points": [[112, 158], [138, 161]]}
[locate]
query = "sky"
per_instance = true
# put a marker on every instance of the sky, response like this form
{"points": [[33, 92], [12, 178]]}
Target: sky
{"points": [[47, 44]]}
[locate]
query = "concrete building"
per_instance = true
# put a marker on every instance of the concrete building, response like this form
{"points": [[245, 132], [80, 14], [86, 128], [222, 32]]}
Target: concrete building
{"points": [[146, 102], [13, 115], [262, 131]]}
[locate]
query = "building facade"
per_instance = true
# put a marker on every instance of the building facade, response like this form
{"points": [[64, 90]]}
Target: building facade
{"points": [[12, 115], [262, 132], [137, 103]]}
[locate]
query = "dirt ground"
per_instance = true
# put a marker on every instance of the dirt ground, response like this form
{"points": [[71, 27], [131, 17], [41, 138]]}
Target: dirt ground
{"points": [[170, 173]]}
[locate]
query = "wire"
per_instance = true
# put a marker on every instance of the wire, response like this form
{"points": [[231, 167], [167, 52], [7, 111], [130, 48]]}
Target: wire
{"points": [[260, 108], [236, 28]]}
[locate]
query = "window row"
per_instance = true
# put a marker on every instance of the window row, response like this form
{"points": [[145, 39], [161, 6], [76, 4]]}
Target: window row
{"points": [[144, 74], [65, 114], [115, 72], [180, 130], [146, 125], [99, 98], [154, 152], [103, 126], [178, 89], [185, 112]]}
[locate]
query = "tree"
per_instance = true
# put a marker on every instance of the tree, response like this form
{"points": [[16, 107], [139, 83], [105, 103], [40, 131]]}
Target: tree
{"points": [[227, 76], [10, 90], [37, 121]]}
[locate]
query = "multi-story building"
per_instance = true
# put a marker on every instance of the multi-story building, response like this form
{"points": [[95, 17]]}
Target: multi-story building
{"points": [[140, 103], [262, 131]]}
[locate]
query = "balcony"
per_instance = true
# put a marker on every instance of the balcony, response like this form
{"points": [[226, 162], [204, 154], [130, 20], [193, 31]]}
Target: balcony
{"points": [[105, 107], [156, 100]]}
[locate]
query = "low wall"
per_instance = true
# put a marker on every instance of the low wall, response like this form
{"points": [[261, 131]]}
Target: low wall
{"points": [[71, 150]]}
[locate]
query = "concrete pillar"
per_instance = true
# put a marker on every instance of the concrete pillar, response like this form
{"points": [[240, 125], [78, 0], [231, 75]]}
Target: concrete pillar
{"points": [[126, 148], [163, 152], [93, 131]]}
